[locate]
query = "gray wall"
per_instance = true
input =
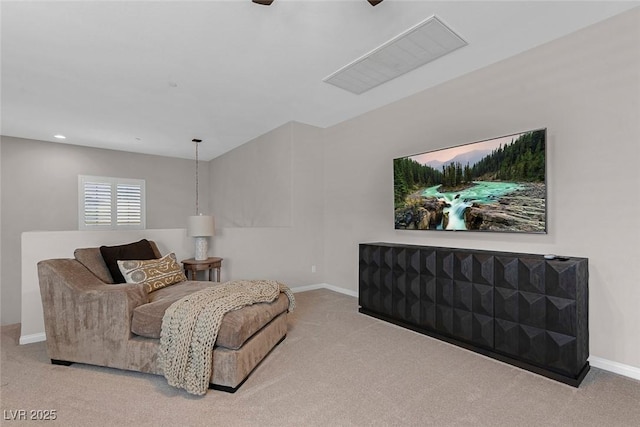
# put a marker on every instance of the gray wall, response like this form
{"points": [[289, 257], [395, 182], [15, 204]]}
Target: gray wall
{"points": [[255, 181], [293, 243], [584, 88], [40, 192]]}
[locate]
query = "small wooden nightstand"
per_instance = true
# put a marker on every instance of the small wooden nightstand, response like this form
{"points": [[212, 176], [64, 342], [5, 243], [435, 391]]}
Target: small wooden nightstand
{"points": [[191, 267]]}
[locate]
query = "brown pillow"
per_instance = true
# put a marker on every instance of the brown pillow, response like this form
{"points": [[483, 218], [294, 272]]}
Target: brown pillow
{"points": [[153, 274], [141, 250]]}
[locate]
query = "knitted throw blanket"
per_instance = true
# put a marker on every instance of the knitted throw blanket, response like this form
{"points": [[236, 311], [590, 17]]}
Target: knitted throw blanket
{"points": [[190, 327]]}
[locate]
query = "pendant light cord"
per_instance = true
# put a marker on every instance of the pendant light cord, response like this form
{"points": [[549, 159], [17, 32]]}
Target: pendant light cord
{"points": [[197, 183]]}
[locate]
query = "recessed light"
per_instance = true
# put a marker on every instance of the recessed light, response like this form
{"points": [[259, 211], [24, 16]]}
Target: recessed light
{"points": [[60, 136]]}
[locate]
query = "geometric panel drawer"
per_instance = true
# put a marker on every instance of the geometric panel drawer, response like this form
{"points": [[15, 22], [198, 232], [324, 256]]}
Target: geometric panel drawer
{"points": [[518, 308]]}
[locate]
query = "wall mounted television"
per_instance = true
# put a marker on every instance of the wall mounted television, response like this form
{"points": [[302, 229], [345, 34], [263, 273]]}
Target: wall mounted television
{"points": [[493, 185]]}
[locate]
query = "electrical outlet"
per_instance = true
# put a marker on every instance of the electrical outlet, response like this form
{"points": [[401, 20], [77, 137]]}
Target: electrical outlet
{"points": [[313, 268]]}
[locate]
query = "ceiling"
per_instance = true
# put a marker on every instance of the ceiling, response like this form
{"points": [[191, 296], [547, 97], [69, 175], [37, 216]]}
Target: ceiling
{"points": [[149, 76]]}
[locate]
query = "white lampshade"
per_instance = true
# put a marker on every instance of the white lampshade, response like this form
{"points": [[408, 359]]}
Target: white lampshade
{"points": [[200, 226]]}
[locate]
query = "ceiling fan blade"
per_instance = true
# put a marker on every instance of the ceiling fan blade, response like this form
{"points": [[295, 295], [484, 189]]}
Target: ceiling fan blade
{"points": [[268, 2]]}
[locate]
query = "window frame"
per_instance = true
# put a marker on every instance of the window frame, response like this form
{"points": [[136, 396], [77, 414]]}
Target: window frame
{"points": [[113, 184]]}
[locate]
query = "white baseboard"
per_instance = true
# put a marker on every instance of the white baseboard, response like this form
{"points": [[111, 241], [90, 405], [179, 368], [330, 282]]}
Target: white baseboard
{"points": [[324, 286], [615, 367], [28, 339]]}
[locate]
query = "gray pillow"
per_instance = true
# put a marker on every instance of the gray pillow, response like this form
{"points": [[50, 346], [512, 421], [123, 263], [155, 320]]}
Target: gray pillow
{"points": [[92, 259]]}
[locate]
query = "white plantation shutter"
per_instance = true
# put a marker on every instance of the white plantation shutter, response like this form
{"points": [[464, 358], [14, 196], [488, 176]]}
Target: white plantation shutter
{"points": [[106, 203], [97, 204], [128, 204]]}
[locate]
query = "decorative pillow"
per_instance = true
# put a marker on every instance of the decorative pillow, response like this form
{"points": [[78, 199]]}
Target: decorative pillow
{"points": [[93, 260], [153, 274], [141, 250]]}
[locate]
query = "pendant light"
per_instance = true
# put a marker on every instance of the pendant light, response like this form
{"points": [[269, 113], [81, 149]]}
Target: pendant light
{"points": [[200, 226]]}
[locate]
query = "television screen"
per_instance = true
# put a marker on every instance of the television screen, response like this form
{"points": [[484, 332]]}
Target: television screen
{"points": [[493, 185]]}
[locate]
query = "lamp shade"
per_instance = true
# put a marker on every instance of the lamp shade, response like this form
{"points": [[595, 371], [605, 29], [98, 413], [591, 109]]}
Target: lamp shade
{"points": [[200, 226]]}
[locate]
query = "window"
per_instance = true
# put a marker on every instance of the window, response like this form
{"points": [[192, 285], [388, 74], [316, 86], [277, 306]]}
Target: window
{"points": [[106, 203]]}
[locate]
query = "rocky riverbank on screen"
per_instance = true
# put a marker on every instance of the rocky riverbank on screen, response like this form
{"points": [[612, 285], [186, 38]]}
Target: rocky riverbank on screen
{"points": [[523, 210]]}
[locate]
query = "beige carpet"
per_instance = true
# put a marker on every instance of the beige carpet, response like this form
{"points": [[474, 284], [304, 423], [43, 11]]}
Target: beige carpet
{"points": [[336, 368]]}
